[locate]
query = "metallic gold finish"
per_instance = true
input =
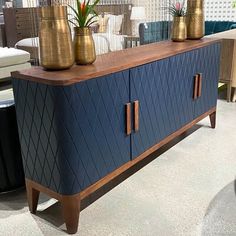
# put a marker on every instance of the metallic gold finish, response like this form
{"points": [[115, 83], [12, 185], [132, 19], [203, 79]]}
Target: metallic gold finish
{"points": [[84, 47], [55, 41], [195, 19], [179, 29], [136, 116], [128, 118]]}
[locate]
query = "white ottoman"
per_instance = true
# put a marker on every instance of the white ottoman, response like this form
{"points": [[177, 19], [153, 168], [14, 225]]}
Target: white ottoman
{"points": [[12, 59]]}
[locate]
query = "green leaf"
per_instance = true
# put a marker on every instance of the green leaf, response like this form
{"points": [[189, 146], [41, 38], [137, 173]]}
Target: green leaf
{"points": [[91, 23], [90, 19]]}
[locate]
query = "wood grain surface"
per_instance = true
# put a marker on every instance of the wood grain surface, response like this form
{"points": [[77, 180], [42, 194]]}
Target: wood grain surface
{"points": [[112, 62]]}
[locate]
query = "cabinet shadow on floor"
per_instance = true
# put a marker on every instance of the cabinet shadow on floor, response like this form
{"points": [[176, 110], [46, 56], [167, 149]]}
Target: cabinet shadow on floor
{"points": [[16, 200], [53, 213]]}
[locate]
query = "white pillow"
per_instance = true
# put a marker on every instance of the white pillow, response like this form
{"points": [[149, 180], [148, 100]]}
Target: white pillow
{"points": [[114, 23]]}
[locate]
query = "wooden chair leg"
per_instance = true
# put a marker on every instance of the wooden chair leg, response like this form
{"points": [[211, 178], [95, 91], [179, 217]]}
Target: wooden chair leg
{"points": [[229, 92], [234, 94], [213, 119], [71, 211], [32, 196]]}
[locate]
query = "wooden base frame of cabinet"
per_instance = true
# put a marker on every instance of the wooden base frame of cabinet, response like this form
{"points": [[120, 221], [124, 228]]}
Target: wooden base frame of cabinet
{"points": [[71, 203]]}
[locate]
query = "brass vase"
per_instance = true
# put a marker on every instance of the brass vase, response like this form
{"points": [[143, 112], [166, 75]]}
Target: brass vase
{"points": [[84, 47], [195, 19], [55, 40], [179, 29]]}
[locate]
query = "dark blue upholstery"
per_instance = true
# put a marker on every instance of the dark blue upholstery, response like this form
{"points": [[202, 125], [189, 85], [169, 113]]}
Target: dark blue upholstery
{"points": [[154, 31], [165, 92], [212, 27], [72, 136]]}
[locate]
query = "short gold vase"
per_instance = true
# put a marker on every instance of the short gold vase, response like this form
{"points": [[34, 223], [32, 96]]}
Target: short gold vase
{"points": [[179, 29], [55, 40], [195, 19], [84, 47]]}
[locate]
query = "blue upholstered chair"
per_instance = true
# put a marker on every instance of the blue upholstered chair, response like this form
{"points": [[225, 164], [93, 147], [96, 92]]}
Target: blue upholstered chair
{"points": [[212, 27], [152, 32]]}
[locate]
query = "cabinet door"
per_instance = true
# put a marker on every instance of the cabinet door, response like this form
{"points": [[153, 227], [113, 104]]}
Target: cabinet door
{"points": [[207, 63], [72, 136], [164, 90], [99, 125]]}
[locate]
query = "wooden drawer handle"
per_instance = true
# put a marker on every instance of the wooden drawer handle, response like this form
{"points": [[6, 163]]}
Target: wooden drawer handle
{"points": [[199, 91], [128, 118], [136, 116], [195, 88]]}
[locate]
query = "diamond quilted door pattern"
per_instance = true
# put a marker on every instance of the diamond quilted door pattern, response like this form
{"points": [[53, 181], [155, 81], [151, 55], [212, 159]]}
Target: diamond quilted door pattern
{"points": [[72, 136], [207, 63], [164, 91]]}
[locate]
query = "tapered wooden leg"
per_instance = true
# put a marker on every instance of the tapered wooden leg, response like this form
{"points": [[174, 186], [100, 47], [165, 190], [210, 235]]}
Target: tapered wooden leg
{"points": [[213, 119], [229, 92], [32, 196], [71, 211]]}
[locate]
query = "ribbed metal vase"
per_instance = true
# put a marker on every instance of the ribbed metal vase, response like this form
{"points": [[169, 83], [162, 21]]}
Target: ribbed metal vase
{"points": [[84, 47], [195, 19], [56, 48], [179, 29]]}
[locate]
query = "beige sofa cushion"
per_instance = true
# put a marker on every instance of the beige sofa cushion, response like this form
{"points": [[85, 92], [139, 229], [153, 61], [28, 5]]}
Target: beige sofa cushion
{"points": [[6, 71], [12, 56]]}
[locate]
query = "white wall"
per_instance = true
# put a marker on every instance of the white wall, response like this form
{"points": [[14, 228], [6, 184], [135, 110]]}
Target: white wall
{"points": [[220, 10]]}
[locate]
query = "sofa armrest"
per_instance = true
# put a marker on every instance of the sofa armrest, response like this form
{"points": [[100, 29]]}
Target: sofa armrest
{"points": [[233, 26]]}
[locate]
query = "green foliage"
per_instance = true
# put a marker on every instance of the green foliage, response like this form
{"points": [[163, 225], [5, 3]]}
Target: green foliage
{"points": [[82, 13], [234, 4]]}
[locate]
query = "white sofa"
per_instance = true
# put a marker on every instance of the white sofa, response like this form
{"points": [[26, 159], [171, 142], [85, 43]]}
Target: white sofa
{"points": [[12, 59]]}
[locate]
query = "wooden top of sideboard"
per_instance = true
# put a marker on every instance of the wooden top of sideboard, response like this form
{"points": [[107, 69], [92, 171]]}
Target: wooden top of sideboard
{"points": [[112, 62]]}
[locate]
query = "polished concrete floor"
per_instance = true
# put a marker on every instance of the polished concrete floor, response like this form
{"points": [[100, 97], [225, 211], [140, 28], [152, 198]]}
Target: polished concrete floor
{"points": [[188, 190]]}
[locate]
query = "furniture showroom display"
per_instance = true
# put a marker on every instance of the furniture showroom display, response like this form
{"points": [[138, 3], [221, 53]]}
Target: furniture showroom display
{"points": [[21, 28], [228, 61], [81, 128]]}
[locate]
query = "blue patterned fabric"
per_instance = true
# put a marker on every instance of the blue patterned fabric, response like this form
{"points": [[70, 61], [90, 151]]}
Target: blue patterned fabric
{"points": [[165, 92], [72, 136]]}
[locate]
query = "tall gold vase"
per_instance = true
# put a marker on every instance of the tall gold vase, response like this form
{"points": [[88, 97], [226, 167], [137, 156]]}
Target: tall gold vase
{"points": [[84, 47], [195, 19], [179, 29], [55, 40]]}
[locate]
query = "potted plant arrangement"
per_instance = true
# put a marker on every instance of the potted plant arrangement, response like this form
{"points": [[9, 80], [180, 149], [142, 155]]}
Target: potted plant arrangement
{"points": [[179, 28], [84, 16]]}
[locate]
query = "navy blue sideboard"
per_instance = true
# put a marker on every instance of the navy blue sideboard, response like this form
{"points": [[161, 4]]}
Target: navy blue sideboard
{"points": [[82, 127]]}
